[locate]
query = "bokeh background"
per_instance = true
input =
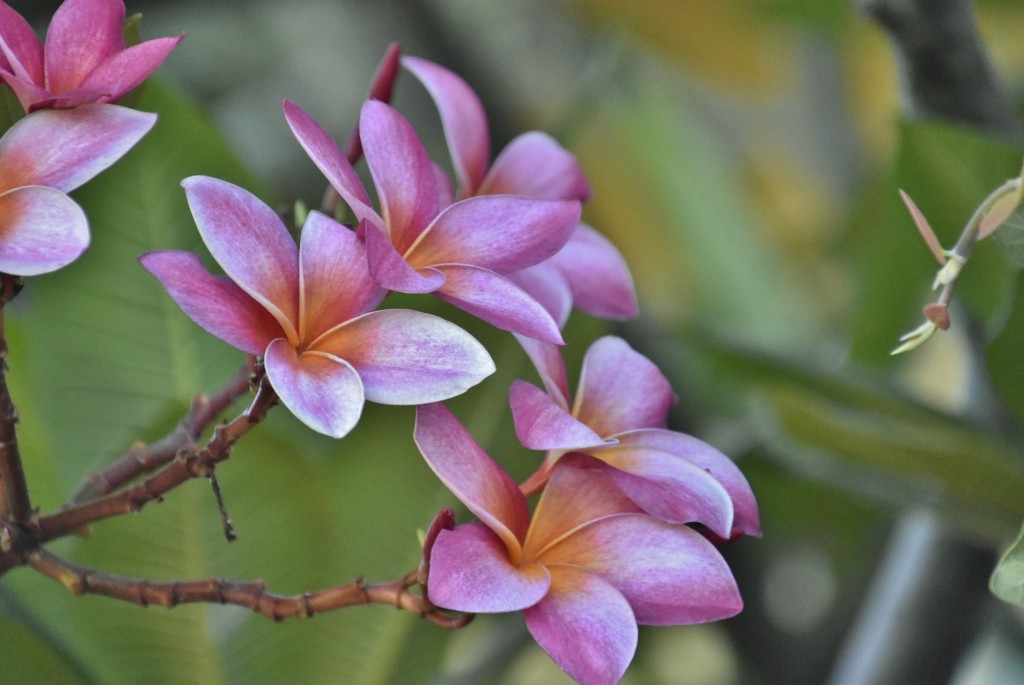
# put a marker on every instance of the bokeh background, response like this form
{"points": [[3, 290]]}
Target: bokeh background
{"points": [[745, 157]]}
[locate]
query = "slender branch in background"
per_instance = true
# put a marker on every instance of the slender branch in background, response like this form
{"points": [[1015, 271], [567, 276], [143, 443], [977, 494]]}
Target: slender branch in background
{"points": [[144, 458], [251, 595], [15, 504], [186, 465]]}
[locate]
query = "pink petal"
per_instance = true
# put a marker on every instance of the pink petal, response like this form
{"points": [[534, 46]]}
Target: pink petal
{"points": [[335, 282], [41, 230], [463, 119], [323, 392], [214, 302], [723, 469], [620, 389], [470, 571], [668, 487], [329, 158], [541, 424], [499, 233], [930, 239], [390, 271], [498, 301], [407, 357], [124, 71], [63, 149], [671, 575], [548, 286], [20, 46], [401, 170], [585, 625], [547, 359], [27, 92], [597, 274], [535, 165], [472, 476], [82, 35], [249, 240]]}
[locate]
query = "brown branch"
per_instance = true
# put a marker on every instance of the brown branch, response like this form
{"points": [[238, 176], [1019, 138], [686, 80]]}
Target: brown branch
{"points": [[144, 458], [15, 504], [187, 464], [252, 595]]}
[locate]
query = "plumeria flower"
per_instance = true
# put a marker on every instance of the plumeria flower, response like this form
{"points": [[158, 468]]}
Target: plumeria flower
{"points": [[84, 59], [42, 157], [306, 309], [588, 273], [585, 569], [420, 244], [619, 417]]}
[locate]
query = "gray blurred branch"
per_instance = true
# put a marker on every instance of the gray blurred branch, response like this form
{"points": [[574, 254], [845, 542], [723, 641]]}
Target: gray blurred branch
{"points": [[945, 70]]}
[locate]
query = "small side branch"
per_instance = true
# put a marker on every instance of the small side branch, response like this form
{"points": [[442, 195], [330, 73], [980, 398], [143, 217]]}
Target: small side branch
{"points": [[252, 595]]}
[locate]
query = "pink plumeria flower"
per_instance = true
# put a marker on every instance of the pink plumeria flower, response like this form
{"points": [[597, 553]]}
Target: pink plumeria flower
{"points": [[419, 244], [42, 157], [589, 273], [84, 59], [306, 309], [585, 569], [619, 417]]}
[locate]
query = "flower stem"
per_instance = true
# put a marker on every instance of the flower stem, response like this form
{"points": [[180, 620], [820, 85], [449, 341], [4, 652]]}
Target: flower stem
{"points": [[15, 504]]}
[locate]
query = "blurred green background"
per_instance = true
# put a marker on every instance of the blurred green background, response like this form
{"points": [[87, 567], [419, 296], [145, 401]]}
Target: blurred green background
{"points": [[745, 157]]}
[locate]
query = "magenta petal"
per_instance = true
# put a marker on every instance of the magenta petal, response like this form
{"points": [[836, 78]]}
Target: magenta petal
{"points": [[472, 476], [620, 389], [124, 71], [402, 172], [597, 274], [541, 424], [706, 457], [548, 286], [407, 357], [585, 625], [63, 149], [547, 359], [20, 46], [323, 392], [498, 301], [463, 119], [27, 92], [389, 269], [331, 161], [41, 230], [671, 575], [500, 233], [82, 35], [668, 487], [470, 571], [250, 241], [214, 302], [535, 165]]}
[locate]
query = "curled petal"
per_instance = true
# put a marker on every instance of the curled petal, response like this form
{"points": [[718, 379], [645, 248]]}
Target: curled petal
{"points": [[463, 119], [63, 149], [41, 230], [597, 274], [470, 571], [472, 476], [547, 359], [323, 392], [20, 47], [401, 170], [668, 487], [745, 519], [548, 286], [389, 269], [620, 389], [541, 424], [249, 240], [28, 93], [82, 35], [535, 165], [331, 161], [219, 306], [498, 301], [585, 625], [501, 233], [407, 357], [126, 70]]}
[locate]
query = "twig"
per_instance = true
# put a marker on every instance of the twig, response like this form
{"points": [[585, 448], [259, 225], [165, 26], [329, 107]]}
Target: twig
{"points": [[252, 595], [15, 504]]}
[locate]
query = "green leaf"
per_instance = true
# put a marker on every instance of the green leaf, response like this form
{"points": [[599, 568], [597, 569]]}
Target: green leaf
{"points": [[1007, 582]]}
